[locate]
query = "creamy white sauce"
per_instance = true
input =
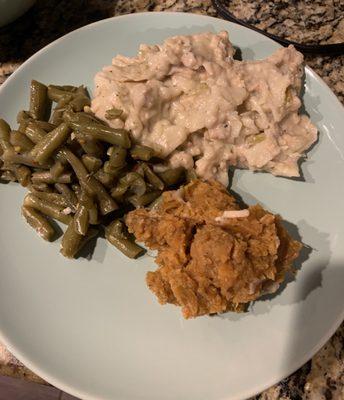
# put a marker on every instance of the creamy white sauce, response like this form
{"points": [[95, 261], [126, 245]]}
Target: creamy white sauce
{"points": [[198, 107]]}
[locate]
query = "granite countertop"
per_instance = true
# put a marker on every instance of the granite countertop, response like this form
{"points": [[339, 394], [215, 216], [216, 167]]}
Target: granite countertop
{"points": [[323, 376]]}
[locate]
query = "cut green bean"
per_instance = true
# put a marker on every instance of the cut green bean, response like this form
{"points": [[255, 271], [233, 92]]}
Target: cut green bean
{"points": [[132, 182], [34, 132], [91, 163], [56, 93], [46, 177], [145, 199], [68, 194], [143, 153], [26, 159], [51, 142], [23, 174], [116, 234], [90, 146], [20, 142], [72, 242], [98, 131], [172, 176], [8, 176], [57, 170], [154, 205], [81, 220], [46, 126], [152, 178], [41, 187], [39, 223], [39, 103], [47, 208], [54, 198], [113, 113], [56, 117], [79, 169], [5, 135], [117, 156], [23, 116], [79, 102], [105, 178], [90, 184]]}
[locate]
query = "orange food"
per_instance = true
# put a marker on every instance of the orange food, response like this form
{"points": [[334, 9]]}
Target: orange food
{"points": [[211, 257]]}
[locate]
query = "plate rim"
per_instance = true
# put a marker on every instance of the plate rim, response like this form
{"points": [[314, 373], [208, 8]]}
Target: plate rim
{"points": [[249, 392]]}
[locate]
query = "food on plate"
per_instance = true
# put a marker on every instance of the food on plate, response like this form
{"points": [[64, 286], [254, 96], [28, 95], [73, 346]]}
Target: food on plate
{"points": [[191, 102], [212, 255], [78, 170]]}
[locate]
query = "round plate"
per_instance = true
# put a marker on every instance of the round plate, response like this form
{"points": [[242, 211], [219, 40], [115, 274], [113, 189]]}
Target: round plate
{"points": [[93, 329]]}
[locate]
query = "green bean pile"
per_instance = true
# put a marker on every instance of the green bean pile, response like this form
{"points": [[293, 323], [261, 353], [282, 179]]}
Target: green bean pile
{"points": [[78, 170]]}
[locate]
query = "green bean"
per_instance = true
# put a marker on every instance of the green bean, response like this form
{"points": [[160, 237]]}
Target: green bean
{"points": [[41, 187], [152, 177], [89, 145], [56, 93], [23, 116], [65, 88], [131, 181], [57, 170], [25, 159], [47, 208], [93, 215], [39, 223], [52, 141], [54, 198], [90, 184], [154, 205], [81, 117], [144, 199], [5, 135], [106, 203], [117, 156], [78, 167], [81, 220], [116, 235], [79, 102], [113, 113], [72, 242], [98, 131], [143, 153], [172, 176], [68, 195], [191, 175], [46, 177], [76, 188], [57, 116], [22, 126], [86, 201], [105, 178], [23, 174], [82, 90], [39, 102], [8, 176], [20, 142], [46, 126], [115, 172], [91, 163], [34, 132]]}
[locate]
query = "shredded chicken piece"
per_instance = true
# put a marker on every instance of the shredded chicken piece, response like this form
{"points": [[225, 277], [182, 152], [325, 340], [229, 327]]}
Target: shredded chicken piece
{"points": [[206, 267]]}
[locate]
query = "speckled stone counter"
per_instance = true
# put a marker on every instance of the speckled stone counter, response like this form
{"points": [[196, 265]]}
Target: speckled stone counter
{"points": [[323, 376]]}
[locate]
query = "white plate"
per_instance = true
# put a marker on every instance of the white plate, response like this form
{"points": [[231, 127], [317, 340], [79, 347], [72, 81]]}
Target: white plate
{"points": [[93, 329]]}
